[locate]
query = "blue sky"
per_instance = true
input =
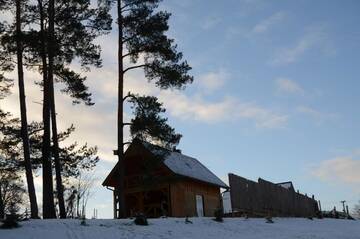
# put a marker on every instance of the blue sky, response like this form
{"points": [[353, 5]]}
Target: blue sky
{"points": [[290, 72], [275, 95]]}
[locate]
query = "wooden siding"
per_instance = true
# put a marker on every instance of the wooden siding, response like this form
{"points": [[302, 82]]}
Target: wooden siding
{"points": [[152, 188], [263, 197], [183, 198]]}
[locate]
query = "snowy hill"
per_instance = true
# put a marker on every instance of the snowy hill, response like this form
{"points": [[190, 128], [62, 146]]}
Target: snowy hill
{"points": [[283, 228]]}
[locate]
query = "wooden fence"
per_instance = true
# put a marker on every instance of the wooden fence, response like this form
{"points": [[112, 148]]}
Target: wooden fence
{"points": [[263, 198]]}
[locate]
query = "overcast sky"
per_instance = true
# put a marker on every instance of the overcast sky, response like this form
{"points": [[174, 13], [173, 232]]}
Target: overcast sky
{"points": [[275, 95]]}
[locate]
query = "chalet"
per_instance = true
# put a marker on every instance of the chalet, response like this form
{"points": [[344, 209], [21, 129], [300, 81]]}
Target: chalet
{"points": [[161, 182]]}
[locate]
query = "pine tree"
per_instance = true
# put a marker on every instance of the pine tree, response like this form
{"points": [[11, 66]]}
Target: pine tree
{"points": [[141, 32], [11, 189], [48, 195], [24, 125], [19, 6], [77, 25], [5, 85], [74, 158]]}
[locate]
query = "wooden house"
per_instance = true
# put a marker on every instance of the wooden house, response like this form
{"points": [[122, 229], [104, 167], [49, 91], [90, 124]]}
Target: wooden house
{"points": [[159, 182]]}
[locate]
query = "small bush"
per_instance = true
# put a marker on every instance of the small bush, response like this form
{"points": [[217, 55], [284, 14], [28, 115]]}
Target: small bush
{"points": [[11, 221], [219, 215], [141, 220], [269, 219], [187, 221], [83, 221]]}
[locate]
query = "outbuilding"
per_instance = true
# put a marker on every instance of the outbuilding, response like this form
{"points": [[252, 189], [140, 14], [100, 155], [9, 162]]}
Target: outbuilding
{"points": [[160, 182]]}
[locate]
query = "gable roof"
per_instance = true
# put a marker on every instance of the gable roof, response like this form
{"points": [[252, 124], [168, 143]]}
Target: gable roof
{"points": [[190, 167], [181, 164]]}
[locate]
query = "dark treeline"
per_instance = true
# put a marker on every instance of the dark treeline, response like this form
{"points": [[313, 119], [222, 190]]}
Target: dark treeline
{"points": [[48, 36]]}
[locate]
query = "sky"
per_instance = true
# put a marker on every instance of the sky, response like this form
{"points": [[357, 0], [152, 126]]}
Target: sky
{"points": [[274, 95]]}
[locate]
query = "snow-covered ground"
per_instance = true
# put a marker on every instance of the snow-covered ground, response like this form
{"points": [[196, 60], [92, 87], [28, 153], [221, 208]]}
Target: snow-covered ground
{"points": [[173, 228]]}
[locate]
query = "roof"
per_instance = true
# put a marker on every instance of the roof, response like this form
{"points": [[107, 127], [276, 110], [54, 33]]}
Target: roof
{"points": [[192, 168], [183, 165], [287, 185]]}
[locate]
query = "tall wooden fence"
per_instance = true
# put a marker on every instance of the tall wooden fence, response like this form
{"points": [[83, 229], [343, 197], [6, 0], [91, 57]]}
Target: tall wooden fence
{"points": [[264, 197]]}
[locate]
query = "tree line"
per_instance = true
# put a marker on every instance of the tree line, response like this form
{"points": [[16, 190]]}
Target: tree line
{"points": [[49, 37]]}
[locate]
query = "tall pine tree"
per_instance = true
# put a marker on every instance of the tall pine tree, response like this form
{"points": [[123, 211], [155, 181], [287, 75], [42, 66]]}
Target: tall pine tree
{"points": [[15, 32], [72, 27], [24, 125], [141, 32], [57, 33]]}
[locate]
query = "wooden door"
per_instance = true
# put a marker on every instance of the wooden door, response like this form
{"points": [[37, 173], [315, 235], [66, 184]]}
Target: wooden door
{"points": [[199, 205]]}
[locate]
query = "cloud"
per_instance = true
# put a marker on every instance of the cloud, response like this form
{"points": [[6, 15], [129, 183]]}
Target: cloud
{"points": [[288, 86], [264, 25], [212, 81], [309, 111], [229, 109], [95, 125], [188, 107], [340, 170], [313, 37], [316, 114]]}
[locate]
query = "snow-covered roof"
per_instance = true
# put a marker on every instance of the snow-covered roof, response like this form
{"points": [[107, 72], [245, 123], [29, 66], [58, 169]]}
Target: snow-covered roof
{"points": [[178, 163], [190, 167], [287, 185], [186, 166]]}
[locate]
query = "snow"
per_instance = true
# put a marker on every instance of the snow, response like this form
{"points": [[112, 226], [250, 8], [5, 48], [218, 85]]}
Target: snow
{"points": [[283, 228], [190, 167], [185, 165], [286, 185]]}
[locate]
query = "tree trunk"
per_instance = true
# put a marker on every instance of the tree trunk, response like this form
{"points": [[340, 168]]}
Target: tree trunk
{"points": [[120, 148], [24, 125], [58, 177], [59, 185], [48, 191]]}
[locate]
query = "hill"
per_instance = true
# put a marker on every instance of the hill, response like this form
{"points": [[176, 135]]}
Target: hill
{"points": [[283, 228]]}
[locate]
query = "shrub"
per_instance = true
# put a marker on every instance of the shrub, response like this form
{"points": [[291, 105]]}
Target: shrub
{"points": [[269, 219], [83, 221], [11, 221], [187, 221], [219, 214], [141, 220]]}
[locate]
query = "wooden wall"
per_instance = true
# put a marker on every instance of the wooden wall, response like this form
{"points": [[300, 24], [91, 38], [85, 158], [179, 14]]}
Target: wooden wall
{"points": [[265, 197], [183, 198]]}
